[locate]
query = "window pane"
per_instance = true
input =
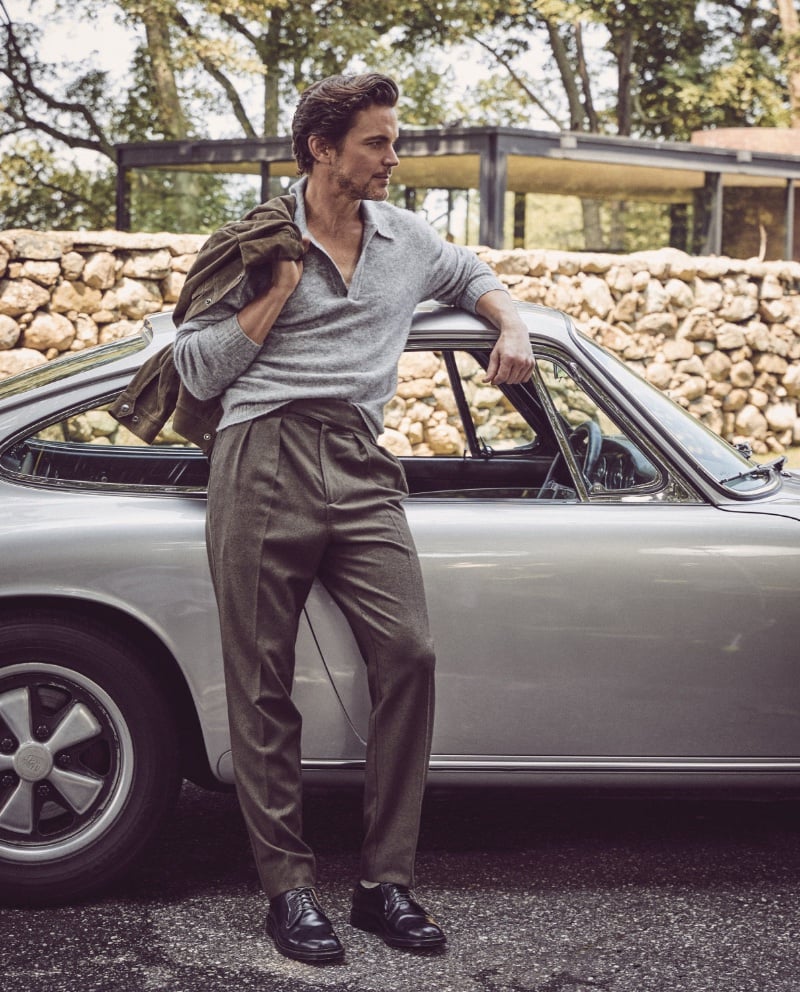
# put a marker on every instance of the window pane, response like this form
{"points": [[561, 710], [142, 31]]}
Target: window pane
{"points": [[92, 448], [493, 455], [498, 423], [423, 418], [611, 461]]}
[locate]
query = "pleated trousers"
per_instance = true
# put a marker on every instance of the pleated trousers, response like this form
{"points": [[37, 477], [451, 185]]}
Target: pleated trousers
{"points": [[305, 492]]}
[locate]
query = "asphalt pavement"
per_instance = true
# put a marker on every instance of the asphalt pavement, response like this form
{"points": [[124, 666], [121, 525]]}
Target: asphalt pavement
{"points": [[537, 893]]}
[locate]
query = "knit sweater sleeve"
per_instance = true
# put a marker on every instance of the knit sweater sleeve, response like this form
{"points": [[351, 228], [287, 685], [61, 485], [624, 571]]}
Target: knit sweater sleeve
{"points": [[455, 275], [211, 350]]}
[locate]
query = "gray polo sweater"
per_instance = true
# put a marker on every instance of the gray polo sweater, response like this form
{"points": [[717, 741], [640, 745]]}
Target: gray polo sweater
{"points": [[330, 341]]}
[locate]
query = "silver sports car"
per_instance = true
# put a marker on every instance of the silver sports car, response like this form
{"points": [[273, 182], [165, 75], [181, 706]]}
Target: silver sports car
{"points": [[613, 590]]}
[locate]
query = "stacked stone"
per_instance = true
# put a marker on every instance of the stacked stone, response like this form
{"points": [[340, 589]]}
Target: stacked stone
{"points": [[63, 292], [423, 419], [719, 335]]}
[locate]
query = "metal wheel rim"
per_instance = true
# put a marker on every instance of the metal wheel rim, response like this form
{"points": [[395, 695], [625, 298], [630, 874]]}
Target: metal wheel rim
{"points": [[35, 763]]}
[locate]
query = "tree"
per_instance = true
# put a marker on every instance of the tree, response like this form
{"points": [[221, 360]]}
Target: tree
{"points": [[650, 68], [647, 68], [50, 189], [790, 26], [238, 59], [37, 187], [637, 67], [625, 67]]}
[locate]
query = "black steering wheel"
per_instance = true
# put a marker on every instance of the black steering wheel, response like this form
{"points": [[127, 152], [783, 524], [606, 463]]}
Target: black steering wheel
{"points": [[594, 445]]}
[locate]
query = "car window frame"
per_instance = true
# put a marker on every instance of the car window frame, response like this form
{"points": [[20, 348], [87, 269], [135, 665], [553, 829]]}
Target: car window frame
{"points": [[667, 487], [740, 463], [478, 450], [126, 452], [531, 400]]}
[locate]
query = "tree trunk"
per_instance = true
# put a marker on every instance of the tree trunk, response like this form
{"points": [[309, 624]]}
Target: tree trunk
{"points": [[172, 121], [169, 111], [269, 53], [624, 83], [791, 31], [577, 114], [592, 226]]}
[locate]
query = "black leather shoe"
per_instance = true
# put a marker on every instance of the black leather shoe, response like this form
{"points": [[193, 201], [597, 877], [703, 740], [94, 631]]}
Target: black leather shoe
{"points": [[300, 929], [391, 911]]}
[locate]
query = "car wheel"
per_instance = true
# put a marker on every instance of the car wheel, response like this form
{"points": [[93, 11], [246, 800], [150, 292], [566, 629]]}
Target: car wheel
{"points": [[89, 760]]}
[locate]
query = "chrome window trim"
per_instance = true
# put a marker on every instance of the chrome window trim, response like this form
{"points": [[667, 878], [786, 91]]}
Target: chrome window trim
{"points": [[71, 363], [581, 764]]}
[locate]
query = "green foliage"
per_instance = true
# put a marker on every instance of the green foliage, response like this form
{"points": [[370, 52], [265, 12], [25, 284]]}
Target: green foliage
{"points": [[556, 222], [39, 189], [494, 101], [719, 70], [650, 68], [191, 202]]}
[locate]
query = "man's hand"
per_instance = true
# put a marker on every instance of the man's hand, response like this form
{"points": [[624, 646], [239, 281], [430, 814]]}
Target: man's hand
{"points": [[286, 276], [511, 360], [258, 316]]}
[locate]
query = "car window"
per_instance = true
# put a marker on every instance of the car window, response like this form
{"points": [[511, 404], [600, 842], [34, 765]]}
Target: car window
{"points": [[461, 438], [425, 419], [723, 463], [608, 457], [90, 448], [455, 435]]}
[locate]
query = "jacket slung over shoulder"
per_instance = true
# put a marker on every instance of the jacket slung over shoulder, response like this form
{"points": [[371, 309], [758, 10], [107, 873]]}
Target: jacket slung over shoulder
{"points": [[156, 392]]}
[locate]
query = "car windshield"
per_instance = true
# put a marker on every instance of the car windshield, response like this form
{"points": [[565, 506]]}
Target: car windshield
{"points": [[74, 362], [713, 455]]}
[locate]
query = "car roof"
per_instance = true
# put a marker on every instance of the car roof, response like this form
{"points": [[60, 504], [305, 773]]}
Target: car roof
{"points": [[443, 324]]}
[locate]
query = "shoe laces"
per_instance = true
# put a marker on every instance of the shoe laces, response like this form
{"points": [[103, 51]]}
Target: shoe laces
{"points": [[306, 898], [402, 901]]}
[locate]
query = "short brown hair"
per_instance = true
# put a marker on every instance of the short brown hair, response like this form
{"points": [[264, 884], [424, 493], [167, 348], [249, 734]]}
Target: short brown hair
{"points": [[327, 109]]}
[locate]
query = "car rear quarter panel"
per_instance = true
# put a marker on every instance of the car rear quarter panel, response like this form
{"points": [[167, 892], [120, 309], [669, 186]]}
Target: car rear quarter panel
{"points": [[145, 557]]}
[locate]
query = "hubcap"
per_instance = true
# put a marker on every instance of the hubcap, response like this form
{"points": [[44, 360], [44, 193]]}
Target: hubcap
{"points": [[65, 761], [32, 762]]}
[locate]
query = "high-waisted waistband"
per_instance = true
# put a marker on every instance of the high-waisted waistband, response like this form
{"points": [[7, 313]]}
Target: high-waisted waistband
{"points": [[338, 415]]}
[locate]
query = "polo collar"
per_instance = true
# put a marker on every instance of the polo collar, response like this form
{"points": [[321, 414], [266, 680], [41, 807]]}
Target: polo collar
{"points": [[376, 219]]}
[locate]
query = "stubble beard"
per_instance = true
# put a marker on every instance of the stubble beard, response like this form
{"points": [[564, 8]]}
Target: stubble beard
{"points": [[360, 191]]}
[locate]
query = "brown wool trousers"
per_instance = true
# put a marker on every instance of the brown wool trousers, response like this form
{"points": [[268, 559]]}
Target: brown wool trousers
{"points": [[303, 492]]}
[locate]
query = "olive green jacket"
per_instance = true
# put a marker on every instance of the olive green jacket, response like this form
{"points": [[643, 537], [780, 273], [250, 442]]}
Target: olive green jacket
{"points": [[156, 392]]}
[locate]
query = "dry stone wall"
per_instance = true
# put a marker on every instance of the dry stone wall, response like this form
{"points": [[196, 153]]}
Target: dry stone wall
{"points": [[721, 335], [64, 292]]}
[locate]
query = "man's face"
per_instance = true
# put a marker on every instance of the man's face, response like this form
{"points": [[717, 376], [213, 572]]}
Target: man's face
{"points": [[361, 167]]}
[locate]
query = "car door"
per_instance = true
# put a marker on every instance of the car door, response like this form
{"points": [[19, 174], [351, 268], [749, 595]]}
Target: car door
{"points": [[599, 630], [623, 620]]}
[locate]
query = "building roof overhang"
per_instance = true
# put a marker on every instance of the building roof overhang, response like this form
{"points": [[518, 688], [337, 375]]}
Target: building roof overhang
{"points": [[495, 160]]}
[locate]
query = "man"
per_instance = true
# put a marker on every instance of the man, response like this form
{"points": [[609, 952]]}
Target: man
{"points": [[299, 489]]}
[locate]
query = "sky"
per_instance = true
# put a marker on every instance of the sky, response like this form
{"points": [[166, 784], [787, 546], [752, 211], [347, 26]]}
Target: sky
{"points": [[64, 35]]}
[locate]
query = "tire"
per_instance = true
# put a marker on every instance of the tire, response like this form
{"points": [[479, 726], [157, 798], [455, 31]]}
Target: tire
{"points": [[89, 758]]}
